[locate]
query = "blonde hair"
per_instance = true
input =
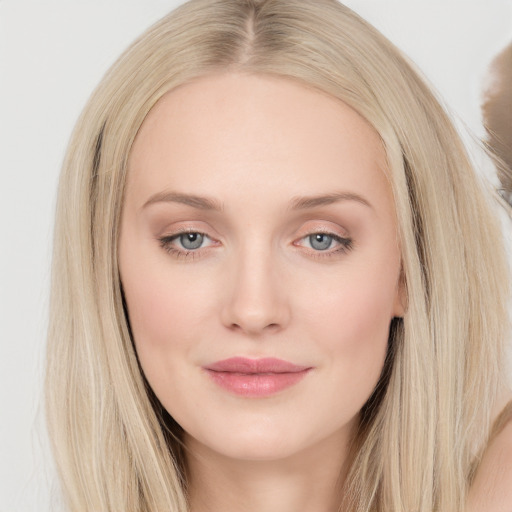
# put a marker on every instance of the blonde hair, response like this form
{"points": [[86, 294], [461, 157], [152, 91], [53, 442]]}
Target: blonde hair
{"points": [[423, 428]]}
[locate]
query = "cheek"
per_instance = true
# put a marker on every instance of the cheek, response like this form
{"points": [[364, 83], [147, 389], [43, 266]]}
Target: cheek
{"points": [[164, 310], [351, 321], [356, 306], [153, 310]]}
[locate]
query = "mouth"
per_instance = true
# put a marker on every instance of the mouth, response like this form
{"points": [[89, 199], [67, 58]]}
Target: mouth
{"points": [[255, 377]]}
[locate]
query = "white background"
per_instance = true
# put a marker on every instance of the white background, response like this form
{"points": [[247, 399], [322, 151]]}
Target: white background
{"points": [[52, 54]]}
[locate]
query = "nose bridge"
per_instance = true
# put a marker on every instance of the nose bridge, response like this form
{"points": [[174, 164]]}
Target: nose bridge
{"points": [[257, 300]]}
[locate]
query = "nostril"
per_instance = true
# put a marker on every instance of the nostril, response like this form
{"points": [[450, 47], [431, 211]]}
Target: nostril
{"points": [[254, 328]]}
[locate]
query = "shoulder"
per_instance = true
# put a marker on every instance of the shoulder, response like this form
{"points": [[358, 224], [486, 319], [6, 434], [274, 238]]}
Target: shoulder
{"points": [[491, 490]]}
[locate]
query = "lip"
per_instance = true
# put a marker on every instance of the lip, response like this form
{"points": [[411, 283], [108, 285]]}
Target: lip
{"points": [[255, 377]]}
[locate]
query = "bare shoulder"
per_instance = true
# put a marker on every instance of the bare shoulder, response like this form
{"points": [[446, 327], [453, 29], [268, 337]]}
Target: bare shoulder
{"points": [[492, 488]]}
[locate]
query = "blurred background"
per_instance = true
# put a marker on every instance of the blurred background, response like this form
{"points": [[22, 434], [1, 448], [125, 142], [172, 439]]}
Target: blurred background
{"points": [[52, 55]]}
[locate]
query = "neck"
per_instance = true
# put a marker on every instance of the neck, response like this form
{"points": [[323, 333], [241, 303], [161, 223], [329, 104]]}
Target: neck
{"points": [[309, 481]]}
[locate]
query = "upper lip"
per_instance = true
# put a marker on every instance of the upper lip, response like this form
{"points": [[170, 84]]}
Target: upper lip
{"points": [[264, 365]]}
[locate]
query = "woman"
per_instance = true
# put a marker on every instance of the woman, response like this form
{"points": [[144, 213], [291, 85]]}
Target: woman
{"points": [[274, 273]]}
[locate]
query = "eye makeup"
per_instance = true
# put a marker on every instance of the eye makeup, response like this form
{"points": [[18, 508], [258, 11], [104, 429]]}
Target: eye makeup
{"points": [[189, 244]]}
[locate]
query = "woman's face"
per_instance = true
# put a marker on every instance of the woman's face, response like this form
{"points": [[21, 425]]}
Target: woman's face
{"points": [[259, 223]]}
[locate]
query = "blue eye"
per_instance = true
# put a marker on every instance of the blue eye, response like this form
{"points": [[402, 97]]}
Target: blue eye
{"points": [[192, 244], [191, 241], [320, 241], [185, 244], [326, 244]]}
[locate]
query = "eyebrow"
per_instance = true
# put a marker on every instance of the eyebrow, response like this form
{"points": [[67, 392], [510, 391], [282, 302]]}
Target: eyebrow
{"points": [[199, 202], [303, 203], [297, 203]]}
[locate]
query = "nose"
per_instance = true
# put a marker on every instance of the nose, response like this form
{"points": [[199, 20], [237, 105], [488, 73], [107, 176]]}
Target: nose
{"points": [[256, 300]]}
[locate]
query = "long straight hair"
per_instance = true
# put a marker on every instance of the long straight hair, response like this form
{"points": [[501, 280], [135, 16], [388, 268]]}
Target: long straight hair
{"points": [[424, 427]]}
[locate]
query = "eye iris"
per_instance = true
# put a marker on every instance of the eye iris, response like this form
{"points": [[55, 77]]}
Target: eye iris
{"points": [[320, 242], [191, 240]]}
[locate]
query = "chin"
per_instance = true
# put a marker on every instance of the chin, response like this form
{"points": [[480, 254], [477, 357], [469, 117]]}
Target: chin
{"points": [[261, 442], [262, 449]]}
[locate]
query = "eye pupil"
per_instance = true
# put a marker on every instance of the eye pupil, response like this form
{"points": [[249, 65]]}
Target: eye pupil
{"points": [[320, 241], [191, 241]]}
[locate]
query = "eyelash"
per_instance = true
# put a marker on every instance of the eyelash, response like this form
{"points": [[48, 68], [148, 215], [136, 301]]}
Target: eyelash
{"points": [[345, 245], [165, 243]]}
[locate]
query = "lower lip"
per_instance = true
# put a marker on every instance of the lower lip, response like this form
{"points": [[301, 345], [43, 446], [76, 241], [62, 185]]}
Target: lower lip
{"points": [[256, 384]]}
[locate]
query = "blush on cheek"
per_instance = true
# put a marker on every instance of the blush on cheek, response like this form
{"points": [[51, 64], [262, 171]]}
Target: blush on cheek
{"points": [[354, 328], [151, 312], [146, 310], [152, 324], [357, 312]]}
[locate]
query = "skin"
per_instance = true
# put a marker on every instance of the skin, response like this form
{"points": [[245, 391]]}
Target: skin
{"points": [[257, 287], [491, 490]]}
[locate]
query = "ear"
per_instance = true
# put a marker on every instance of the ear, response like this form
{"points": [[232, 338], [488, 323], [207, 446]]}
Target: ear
{"points": [[401, 302]]}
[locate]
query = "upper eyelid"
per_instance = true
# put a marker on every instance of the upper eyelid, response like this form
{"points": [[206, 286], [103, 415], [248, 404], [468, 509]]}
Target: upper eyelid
{"points": [[306, 231], [323, 226], [183, 231], [306, 234]]}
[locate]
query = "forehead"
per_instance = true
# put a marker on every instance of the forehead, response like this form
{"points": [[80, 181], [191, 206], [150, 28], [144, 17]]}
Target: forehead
{"points": [[222, 132]]}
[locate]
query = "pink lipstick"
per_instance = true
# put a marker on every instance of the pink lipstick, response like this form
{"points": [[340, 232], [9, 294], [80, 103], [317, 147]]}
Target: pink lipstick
{"points": [[255, 377]]}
